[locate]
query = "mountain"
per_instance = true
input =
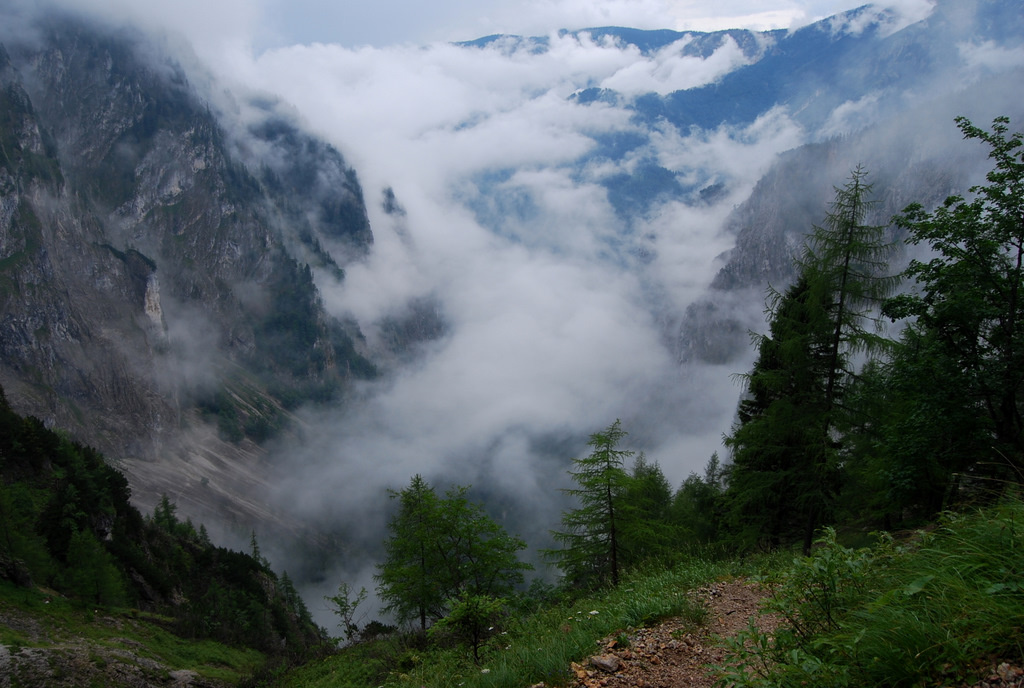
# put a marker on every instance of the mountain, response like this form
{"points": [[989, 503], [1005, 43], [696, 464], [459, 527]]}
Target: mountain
{"points": [[572, 228], [157, 269], [849, 70]]}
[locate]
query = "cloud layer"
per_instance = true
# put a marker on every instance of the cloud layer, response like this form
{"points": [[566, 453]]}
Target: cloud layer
{"points": [[560, 312]]}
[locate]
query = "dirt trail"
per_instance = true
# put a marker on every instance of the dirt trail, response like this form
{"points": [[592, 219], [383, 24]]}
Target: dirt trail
{"points": [[673, 654]]}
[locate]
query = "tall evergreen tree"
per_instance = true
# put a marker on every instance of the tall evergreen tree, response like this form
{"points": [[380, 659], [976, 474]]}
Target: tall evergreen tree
{"points": [[785, 469], [697, 506], [849, 260], [590, 536], [405, 581], [782, 473], [646, 529]]}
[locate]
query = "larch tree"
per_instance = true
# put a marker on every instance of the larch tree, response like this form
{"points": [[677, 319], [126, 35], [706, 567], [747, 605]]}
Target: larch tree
{"points": [[406, 580], [785, 464], [590, 536], [443, 551]]}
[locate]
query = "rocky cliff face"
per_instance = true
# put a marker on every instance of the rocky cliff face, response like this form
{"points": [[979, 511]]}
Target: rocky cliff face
{"points": [[156, 267], [793, 197]]}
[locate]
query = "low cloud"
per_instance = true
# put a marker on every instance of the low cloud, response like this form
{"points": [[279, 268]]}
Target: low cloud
{"points": [[560, 314], [668, 70]]}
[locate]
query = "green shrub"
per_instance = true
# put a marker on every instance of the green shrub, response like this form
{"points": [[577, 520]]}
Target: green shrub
{"points": [[895, 615]]}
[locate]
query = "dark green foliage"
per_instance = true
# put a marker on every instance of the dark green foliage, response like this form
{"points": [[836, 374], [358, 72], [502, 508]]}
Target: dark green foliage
{"points": [[441, 551], [969, 309], [66, 523], [623, 517], [92, 575], [471, 620], [914, 614], [787, 449], [920, 443], [697, 510], [782, 475], [405, 578], [590, 534], [289, 333], [646, 531]]}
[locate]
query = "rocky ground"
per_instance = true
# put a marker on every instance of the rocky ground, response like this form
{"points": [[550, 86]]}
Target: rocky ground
{"points": [[676, 654], [74, 662]]}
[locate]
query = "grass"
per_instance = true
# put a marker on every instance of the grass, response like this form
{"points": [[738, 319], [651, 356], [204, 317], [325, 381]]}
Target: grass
{"points": [[936, 609], [50, 621], [940, 607], [535, 645]]}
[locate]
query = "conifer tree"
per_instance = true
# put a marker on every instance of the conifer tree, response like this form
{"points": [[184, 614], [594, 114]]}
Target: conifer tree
{"points": [[405, 581], [849, 260], [590, 535], [442, 551], [785, 472], [646, 531], [697, 506], [781, 477]]}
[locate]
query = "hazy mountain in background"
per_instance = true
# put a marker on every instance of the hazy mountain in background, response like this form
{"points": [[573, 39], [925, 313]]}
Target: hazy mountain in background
{"points": [[157, 299], [189, 280]]}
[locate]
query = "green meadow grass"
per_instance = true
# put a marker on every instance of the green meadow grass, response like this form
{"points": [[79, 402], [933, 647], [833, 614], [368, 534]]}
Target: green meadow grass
{"points": [[534, 645], [55, 621]]}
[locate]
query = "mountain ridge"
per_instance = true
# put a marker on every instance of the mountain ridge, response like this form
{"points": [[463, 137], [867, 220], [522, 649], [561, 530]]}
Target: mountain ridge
{"points": [[149, 272]]}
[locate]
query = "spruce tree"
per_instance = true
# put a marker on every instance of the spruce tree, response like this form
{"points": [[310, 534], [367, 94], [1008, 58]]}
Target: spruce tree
{"points": [[646, 531], [781, 476]]}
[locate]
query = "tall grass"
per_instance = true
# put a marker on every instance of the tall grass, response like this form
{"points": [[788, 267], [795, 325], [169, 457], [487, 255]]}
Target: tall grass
{"points": [[938, 607]]}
